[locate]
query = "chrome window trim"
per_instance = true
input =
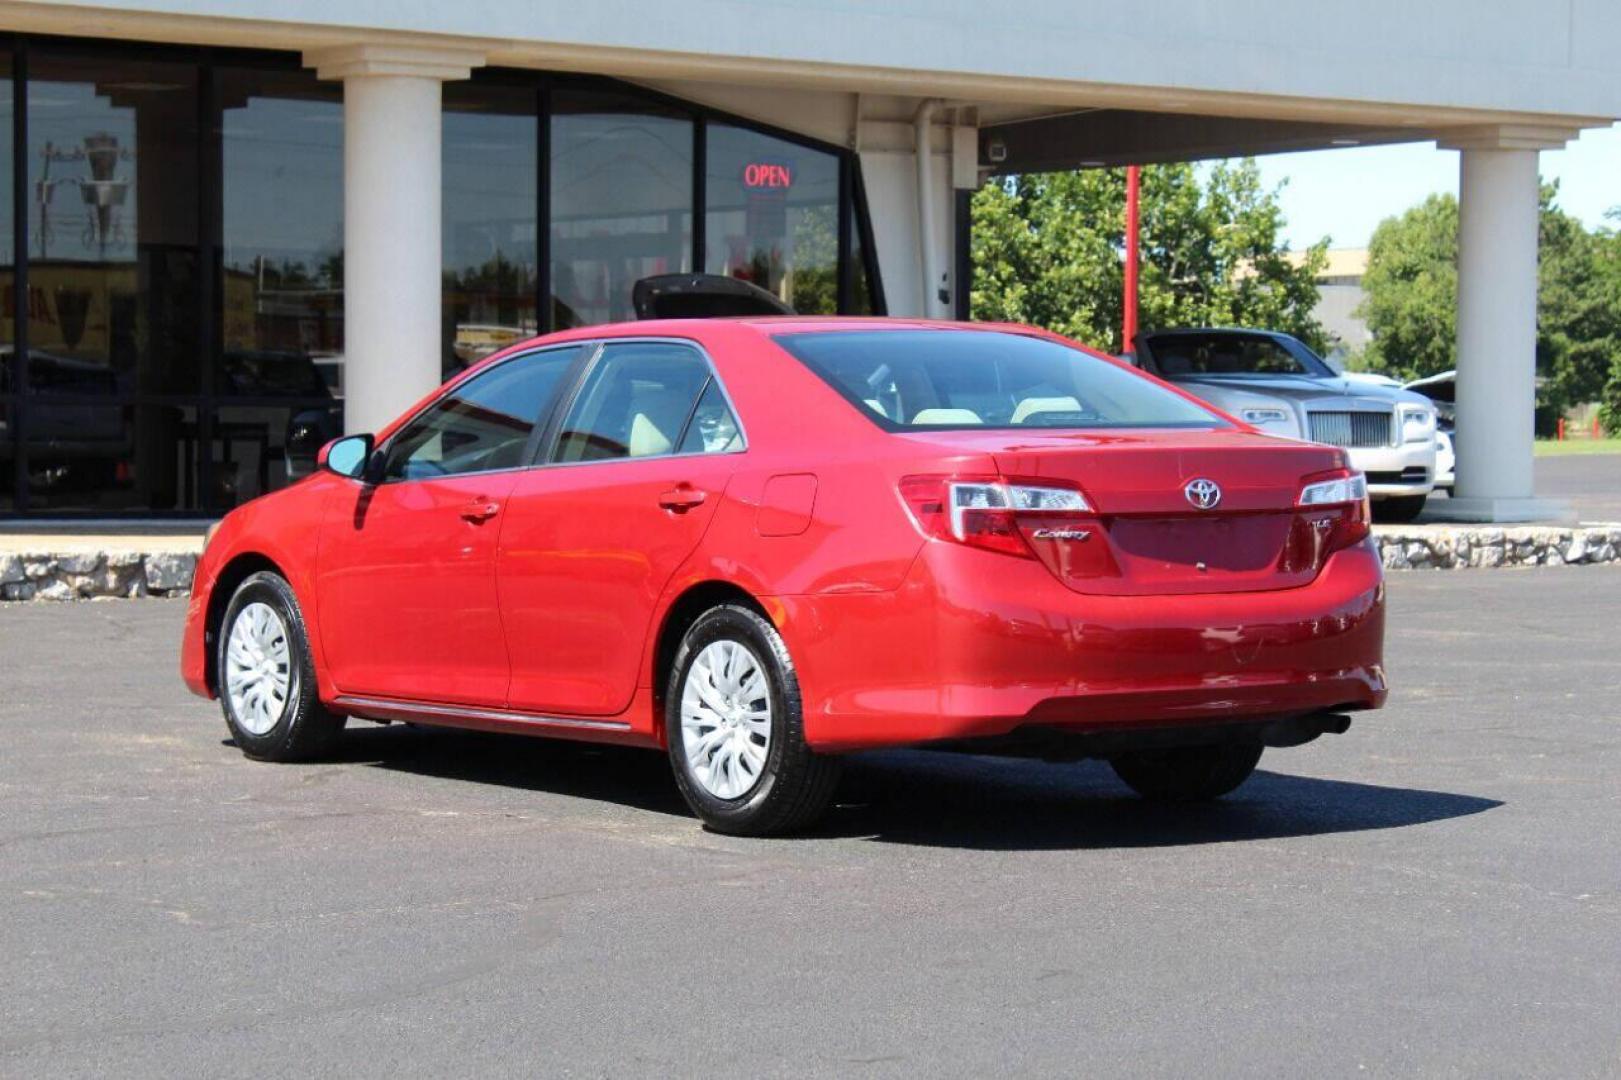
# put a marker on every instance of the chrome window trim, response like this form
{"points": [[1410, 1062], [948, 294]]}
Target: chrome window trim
{"points": [[587, 357], [549, 443]]}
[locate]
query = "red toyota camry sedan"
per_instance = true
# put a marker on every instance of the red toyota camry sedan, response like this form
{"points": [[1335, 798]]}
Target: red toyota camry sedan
{"points": [[764, 543]]}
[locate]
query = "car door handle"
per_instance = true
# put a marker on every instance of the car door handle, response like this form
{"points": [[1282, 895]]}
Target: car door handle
{"points": [[480, 510], [681, 499]]}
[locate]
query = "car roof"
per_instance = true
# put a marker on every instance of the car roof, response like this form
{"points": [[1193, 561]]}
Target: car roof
{"points": [[698, 329]]}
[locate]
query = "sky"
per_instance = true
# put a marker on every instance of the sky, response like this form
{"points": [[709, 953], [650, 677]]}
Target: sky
{"points": [[1344, 194]]}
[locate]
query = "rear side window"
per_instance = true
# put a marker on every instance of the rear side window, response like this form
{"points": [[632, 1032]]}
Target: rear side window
{"points": [[914, 380], [646, 399]]}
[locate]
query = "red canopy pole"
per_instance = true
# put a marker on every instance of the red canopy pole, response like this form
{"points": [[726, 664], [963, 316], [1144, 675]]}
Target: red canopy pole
{"points": [[1128, 328]]}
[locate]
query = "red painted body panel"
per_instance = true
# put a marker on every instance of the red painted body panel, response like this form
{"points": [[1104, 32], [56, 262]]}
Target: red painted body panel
{"points": [[406, 586], [586, 551], [898, 639]]}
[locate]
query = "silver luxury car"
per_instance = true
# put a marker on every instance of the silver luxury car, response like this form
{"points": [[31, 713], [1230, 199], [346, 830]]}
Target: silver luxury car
{"points": [[1277, 383]]}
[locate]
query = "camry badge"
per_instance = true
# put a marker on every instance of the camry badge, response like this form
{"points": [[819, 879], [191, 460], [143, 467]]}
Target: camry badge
{"points": [[1079, 535], [1203, 494]]}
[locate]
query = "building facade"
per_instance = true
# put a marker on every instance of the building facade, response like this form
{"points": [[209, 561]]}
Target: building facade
{"points": [[230, 230]]}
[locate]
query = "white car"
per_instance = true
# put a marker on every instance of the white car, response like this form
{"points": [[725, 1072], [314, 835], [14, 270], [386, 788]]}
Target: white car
{"points": [[1276, 383], [1442, 390]]}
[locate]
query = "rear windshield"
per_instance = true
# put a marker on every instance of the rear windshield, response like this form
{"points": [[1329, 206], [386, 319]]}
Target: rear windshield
{"points": [[914, 380]]}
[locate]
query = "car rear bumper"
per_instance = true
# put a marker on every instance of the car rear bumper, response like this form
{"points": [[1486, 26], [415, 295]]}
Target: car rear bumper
{"points": [[978, 645]]}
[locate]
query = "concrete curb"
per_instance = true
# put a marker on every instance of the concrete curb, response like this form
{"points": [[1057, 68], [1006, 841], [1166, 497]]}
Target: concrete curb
{"points": [[82, 569]]}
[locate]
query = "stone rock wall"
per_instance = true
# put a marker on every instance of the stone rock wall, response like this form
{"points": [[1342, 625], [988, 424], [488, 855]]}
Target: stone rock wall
{"points": [[1433, 547], [93, 575]]}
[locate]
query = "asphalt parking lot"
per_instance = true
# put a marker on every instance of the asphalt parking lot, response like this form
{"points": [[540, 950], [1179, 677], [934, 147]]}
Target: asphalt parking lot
{"points": [[1590, 483], [1437, 892]]}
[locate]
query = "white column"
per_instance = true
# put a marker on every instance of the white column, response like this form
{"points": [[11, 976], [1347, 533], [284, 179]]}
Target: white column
{"points": [[1497, 324], [391, 221]]}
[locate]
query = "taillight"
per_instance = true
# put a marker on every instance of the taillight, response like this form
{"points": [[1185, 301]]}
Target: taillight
{"points": [[1334, 506], [984, 512]]}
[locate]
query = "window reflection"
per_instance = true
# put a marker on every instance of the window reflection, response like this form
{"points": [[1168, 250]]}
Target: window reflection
{"points": [[489, 188], [112, 281], [861, 302], [773, 216], [621, 202], [184, 318], [112, 226], [8, 455], [281, 280], [8, 300]]}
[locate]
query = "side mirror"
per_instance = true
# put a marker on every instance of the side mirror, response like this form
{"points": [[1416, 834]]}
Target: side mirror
{"points": [[348, 456]]}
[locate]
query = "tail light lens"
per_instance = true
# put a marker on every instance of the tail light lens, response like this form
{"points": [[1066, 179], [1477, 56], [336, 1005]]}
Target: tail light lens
{"points": [[1333, 512], [983, 512]]}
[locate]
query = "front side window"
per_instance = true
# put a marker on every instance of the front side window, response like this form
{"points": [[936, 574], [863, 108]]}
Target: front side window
{"points": [[639, 402], [910, 380], [483, 424]]}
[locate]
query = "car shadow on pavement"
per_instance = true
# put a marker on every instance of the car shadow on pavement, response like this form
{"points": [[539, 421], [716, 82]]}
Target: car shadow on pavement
{"points": [[931, 799], [1004, 804]]}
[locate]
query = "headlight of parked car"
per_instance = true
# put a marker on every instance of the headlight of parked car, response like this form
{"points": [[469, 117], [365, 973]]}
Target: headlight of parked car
{"points": [[1417, 423]]}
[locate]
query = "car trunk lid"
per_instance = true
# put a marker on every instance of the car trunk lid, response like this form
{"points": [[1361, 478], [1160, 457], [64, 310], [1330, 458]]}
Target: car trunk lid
{"points": [[1151, 530]]}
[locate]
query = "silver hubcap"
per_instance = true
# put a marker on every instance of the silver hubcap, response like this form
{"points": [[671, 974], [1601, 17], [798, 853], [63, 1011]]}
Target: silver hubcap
{"points": [[726, 719], [257, 668]]}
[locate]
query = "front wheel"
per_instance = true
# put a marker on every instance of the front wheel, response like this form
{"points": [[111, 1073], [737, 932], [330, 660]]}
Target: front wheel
{"points": [[735, 728], [266, 677], [1399, 509], [1187, 773]]}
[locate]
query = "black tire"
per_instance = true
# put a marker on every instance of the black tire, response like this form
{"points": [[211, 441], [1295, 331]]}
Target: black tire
{"points": [[1399, 509], [795, 785], [304, 729], [1187, 773]]}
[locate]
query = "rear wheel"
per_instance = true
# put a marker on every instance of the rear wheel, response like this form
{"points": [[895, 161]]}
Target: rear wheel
{"points": [[735, 729], [1399, 509], [1187, 773], [266, 677]]}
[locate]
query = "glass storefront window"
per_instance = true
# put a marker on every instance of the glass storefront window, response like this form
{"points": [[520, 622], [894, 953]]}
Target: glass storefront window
{"points": [[279, 371], [861, 302], [8, 298], [621, 202], [281, 234], [112, 279], [181, 339], [8, 455], [112, 226], [489, 192], [772, 216]]}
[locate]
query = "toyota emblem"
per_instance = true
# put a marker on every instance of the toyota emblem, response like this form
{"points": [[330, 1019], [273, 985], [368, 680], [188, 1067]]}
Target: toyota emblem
{"points": [[1203, 494]]}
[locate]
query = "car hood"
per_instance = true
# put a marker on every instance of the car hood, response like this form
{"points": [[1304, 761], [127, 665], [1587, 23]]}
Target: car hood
{"points": [[1318, 392]]}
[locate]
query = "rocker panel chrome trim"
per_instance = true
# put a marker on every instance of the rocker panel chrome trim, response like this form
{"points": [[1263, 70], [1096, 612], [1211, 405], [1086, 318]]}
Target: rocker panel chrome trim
{"points": [[451, 714]]}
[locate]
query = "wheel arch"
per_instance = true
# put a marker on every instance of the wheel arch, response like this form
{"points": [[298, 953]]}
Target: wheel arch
{"points": [[240, 567], [684, 610]]}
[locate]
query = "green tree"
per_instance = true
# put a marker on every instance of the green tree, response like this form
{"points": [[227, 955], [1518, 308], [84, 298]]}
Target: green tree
{"points": [[1412, 295], [1411, 287], [1607, 265], [1047, 250]]}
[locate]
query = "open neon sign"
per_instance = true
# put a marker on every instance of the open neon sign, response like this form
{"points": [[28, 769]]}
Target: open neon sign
{"points": [[768, 176]]}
